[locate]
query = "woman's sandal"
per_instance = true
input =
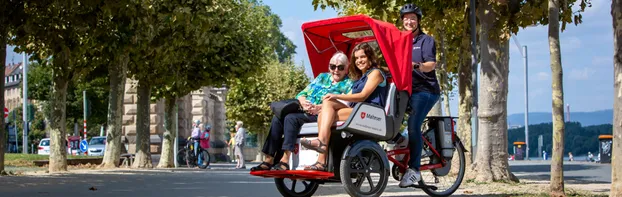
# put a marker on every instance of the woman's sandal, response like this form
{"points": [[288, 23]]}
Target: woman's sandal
{"points": [[315, 167], [307, 144], [280, 166], [262, 166]]}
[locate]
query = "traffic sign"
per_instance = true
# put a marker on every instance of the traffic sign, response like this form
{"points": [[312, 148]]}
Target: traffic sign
{"points": [[6, 112], [84, 146]]}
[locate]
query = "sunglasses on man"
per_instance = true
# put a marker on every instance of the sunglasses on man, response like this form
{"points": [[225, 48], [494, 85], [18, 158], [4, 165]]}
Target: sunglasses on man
{"points": [[333, 67]]}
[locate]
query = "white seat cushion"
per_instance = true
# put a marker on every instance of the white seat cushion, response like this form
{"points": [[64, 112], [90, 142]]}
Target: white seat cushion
{"points": [[311, 128]]}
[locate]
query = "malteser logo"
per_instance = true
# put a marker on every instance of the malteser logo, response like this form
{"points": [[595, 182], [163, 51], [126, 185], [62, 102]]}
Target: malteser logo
{"points": [[370, 116]]}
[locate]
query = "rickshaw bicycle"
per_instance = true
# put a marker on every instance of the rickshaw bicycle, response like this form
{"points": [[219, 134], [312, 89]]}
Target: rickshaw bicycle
{"points": [[354, 151]]}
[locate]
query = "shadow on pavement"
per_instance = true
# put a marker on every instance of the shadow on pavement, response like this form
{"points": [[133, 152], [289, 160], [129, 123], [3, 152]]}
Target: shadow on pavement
{"points": [[567, 179], [547, 168]]}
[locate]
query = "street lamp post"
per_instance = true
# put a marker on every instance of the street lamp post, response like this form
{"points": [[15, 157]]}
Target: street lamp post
{"points": [[474, 121], [25, 104], [523, 51]]}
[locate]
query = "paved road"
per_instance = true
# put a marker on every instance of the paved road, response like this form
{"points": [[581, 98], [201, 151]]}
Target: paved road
{"points": [[574, 172], [219, 181], [223, 181]]}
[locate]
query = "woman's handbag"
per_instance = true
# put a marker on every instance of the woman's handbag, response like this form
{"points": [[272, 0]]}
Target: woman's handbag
{"points": [[284, 107]]}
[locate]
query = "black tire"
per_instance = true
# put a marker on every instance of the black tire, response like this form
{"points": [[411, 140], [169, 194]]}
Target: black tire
{"points": [[357, 165], [205, 157], [456, 184], [190, 162], [395, 172], [181, 157], [309, 190]]}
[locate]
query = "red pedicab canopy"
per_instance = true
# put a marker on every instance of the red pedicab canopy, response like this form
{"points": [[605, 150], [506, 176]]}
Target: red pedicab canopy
{"points": [[324, 37]]}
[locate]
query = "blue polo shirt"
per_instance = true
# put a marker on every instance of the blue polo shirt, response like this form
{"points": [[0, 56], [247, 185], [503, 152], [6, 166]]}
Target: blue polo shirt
{"points": [[424, 50]]}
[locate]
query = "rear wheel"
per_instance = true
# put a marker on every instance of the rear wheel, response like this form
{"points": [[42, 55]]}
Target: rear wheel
{"points": [[296, 188], [449, 183], [360, 170], [181, 157]]}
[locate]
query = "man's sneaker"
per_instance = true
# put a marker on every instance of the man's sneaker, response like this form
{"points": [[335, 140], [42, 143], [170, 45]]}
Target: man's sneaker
{"points": [[410, 178]]}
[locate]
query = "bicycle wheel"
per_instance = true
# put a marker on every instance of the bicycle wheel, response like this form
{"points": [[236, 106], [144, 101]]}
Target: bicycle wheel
{"points": [[366, 167], [204, 158], [305, 188], [181, 157], [450, 182]]}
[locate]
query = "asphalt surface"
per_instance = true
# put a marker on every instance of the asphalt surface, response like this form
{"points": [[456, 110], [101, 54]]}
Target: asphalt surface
{"points": [[579, 172], [224, 181]]}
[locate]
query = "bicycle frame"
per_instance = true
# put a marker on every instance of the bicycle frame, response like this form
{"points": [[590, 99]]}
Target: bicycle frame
{"points": [[403, 165]]}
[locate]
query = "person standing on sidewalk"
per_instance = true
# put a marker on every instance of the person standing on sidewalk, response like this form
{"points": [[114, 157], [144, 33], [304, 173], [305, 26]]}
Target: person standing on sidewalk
{"points": [[240, 140], [231, 145]]}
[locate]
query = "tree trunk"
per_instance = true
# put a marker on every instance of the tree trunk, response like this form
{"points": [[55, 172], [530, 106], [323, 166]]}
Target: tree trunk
{"points": [[166, 159], [465, 91], [143, 141], [3, 34], [443, 79], [117, 75], [446, 104], [616, 160], [260, 155], [557, 158], [491, 163], [58, 141], [437, 109]]}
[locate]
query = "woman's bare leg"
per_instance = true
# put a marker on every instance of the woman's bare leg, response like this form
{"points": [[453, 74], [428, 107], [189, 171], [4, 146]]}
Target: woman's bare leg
{"points": [[286, 155], [329, 116]]}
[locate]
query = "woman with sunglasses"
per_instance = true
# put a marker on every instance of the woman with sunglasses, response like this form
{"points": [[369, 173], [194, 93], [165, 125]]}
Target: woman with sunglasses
{"points": [[370, 86], [283, 132]]}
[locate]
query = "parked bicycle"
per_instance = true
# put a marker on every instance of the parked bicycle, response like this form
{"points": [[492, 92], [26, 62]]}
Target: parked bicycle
{"points": [[186, 156]]}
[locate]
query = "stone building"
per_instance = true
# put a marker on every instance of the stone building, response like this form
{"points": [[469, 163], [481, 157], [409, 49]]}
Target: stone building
{"points": [[206, 104], [12, 88]]}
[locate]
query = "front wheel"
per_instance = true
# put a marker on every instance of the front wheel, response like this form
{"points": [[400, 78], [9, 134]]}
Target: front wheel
{"points": [[449, 183], [203, 159], [360, 170], [297, 188]]}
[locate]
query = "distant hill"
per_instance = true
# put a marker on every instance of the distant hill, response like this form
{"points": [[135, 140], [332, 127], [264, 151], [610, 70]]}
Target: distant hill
{"points": [[585, 118]]}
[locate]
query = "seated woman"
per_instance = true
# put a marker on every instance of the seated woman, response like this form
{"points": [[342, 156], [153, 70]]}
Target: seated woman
{"points": [[283, 133], [370, 87]]}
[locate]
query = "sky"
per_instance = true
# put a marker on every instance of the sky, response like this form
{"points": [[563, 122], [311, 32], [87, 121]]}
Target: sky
{"points": [[586, 51]]}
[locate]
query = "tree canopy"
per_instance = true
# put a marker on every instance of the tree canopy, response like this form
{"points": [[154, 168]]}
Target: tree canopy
{"points": [[249, 99], [201, 44], [95, 84]]}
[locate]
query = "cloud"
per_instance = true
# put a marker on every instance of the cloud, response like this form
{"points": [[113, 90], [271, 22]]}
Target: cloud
{"points": [[542, 76], [602, 61], [536, 93], [581, 74], [570, 43], [597, 6], [290, 34]]}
